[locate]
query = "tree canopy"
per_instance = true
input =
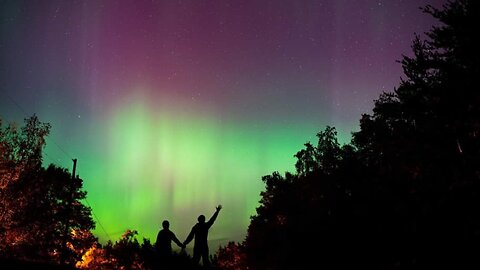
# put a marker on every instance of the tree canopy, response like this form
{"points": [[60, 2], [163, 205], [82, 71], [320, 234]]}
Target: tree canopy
{"points": [[37, 203], [406, 191]]}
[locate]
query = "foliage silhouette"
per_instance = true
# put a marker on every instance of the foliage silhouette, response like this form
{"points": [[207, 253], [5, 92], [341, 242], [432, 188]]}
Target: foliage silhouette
{"points": [[405, 192], [128, 253], [33, 200]]}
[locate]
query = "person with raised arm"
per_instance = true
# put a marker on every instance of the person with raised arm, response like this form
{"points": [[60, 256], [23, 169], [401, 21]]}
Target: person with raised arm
{"points": [[200, 233]]}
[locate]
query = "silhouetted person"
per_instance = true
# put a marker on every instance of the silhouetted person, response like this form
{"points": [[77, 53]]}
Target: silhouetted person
{"points": [[200, 232], [163, 245]]}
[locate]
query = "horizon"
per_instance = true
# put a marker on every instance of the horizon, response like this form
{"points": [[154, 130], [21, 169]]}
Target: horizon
{"points": [[164, 104]]}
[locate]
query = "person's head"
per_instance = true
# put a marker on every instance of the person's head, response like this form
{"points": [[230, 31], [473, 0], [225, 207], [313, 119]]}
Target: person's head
{"points": [[201, 219], [165, 224]]}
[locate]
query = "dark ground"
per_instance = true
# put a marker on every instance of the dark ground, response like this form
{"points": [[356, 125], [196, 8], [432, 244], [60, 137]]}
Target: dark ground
{"points": [[6, 264]]}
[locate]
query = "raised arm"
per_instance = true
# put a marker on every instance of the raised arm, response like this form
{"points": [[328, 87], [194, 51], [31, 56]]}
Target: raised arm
{"points": [[214, 217]]}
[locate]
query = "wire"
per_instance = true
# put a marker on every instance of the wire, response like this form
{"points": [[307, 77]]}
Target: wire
{"points": [[52, 160], [98, 220], [49, 158], [61, 149], [26, 115], [16, 104]]}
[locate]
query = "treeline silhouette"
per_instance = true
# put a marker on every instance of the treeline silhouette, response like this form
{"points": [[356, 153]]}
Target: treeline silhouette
{"points": [[37, 204], [44, 223], [404, 194]]}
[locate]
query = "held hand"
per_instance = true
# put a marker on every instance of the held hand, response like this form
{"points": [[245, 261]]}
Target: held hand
{"points": [[219, 207]]}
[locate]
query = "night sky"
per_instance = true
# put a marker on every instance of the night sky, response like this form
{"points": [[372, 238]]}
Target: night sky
{"points": [[173, 107]]}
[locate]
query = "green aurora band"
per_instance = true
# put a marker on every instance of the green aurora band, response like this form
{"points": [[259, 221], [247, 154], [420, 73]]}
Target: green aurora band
{"points": [[173, 107], [151, 164]]}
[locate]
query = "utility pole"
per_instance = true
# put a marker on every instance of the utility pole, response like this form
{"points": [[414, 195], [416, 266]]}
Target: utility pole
{"points": [[68, 203], [74, 167]]}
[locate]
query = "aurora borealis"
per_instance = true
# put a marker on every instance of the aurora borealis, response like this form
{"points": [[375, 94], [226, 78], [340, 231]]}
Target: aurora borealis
{"points": [[173, 107]]}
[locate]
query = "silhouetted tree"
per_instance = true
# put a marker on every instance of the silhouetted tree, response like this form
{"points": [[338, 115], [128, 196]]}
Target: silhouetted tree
{"points": [[231, 257], [35, 202], [406, 192], [128, 253], [298, 212], [422, 143]]}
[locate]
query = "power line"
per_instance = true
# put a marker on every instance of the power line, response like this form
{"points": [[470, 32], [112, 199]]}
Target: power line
{"points": [[26, 115], [98, 220], [16, 104], [49, 158], [61, 149], [52, 160]]}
